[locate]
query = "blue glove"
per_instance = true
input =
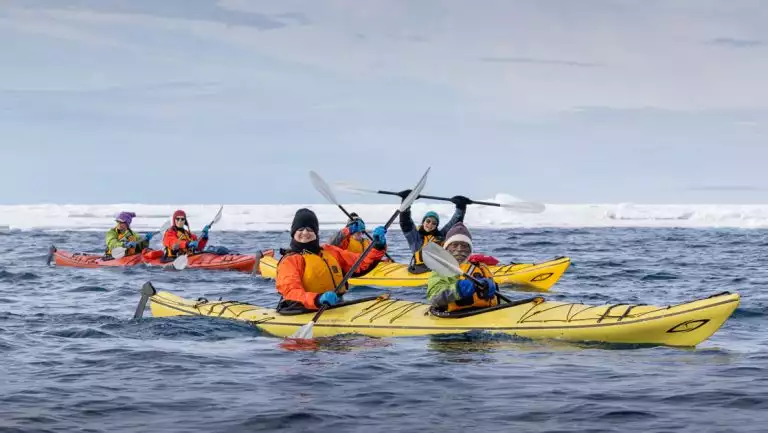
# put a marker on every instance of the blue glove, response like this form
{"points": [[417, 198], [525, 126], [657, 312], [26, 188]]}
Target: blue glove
{"points": [[205, 230], [380, 238], [192, 245], [465, 288], [130, 245], [490, 291], [356, 226], [148, 236], [328, 298]]}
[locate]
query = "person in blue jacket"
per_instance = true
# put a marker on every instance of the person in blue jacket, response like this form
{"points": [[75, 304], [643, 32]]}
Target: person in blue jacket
{"points": [[428, 230]]}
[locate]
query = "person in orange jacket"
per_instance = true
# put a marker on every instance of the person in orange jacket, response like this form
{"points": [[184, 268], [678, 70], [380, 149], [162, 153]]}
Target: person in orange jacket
{"points": [[351, 238], [308, 273], [180, 240]]}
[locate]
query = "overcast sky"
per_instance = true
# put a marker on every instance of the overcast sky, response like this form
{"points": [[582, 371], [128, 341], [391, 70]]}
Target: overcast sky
{"points": [[199, 101]]}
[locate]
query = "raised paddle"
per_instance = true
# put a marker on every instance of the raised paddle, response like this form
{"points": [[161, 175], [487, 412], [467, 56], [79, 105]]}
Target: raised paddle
{"points": [[182, 261], [119, 252], [305, 331], [327, 192], [518, 206], [441, 261]]}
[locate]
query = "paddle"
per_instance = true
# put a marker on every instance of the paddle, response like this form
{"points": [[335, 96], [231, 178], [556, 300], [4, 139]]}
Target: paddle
{"points": [[305, 331], [441, 261], [182, 261], [518, 206], [327, 192], [119, 252]]}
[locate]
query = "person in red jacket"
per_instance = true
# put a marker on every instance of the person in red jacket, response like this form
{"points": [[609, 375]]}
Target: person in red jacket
{"points": [[180, 240], [308, 273]]}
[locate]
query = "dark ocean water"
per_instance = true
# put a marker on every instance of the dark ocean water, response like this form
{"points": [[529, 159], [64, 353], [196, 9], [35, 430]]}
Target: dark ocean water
{"points": [[72, 359]]}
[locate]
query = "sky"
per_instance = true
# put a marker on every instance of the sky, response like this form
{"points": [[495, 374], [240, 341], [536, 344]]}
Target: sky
{"points": [[234, 101]]}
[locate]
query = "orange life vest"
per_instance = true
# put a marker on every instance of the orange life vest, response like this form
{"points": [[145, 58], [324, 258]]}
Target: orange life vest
{"points": [[357, 245], [477, 270], [181, 235], [418, 258], [322, 272]]}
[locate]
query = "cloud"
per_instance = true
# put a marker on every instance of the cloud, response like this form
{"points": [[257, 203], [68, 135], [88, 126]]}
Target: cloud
{"points": [[534, 61], [736, 43]]}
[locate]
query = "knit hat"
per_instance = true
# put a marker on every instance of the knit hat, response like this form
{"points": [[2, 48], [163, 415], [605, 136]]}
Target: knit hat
{"points": [[125, 217], [458, 233], [305, 218], [432, 214], [179, 213], [353, 216]]}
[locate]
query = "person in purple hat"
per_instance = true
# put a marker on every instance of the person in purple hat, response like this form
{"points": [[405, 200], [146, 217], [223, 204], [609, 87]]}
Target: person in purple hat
{"points": [[122, 236]]}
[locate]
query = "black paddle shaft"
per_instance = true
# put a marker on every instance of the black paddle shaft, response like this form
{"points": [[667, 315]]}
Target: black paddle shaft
{"points": [[432, 197], [354, 267], [368, 235]]}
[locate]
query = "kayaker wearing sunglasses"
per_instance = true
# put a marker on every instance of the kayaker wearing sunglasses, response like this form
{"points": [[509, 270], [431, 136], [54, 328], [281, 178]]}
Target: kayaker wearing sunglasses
{"points": [[180, 240], [428, 231]]}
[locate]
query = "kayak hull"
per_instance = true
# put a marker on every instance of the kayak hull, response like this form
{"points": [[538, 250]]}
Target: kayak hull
{"points": [[530, 276], [82, 260], [686, 324], [210, 261]]}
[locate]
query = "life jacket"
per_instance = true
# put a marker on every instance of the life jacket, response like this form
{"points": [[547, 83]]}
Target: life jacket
{"points": [[126, 236], [357, 246], [477, 270], [418, 259], [322, 272], [181, 235]]}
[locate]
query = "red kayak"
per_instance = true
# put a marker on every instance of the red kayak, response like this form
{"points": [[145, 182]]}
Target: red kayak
{"points": [[83, 260], [233, 262]]}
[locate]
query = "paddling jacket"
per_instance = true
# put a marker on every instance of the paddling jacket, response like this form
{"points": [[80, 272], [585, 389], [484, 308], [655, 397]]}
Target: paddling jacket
{"points": [[303, 277], [116, 239], [442, 292], [417, 237], [175, 241], [346, 241]]}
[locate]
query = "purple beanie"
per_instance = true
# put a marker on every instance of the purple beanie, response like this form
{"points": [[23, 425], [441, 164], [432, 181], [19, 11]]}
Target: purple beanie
{"points": [[125, 217]]}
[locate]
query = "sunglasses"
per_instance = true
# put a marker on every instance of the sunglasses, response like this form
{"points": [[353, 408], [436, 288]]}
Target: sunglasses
{"points": [[180, 219]]}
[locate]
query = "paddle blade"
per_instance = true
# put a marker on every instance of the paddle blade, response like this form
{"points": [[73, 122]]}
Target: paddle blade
{"points": [[440, 260], [181, 262], [323, 187], [509, 202], [305, 332], [118, 252], [346, 186], [414, 192], [218, 215], [166, 225]]}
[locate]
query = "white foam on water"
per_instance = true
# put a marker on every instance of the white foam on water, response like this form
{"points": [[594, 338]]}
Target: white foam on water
{"points": [[278, 217]]}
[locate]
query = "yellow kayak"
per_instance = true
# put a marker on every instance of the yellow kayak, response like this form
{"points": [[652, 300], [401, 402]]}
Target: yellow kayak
{"points": [[532, 276], [686, 324]]}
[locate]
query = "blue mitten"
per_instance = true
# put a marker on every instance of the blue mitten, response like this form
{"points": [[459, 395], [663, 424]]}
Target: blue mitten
{"points": [[356, 226], [130, 245], [465, 288], [380, 238], [490, 291], [328, 298]]}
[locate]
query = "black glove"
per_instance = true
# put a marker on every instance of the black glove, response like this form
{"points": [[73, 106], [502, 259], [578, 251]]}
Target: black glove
{"points": [[403, 194], [460, 201]]}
